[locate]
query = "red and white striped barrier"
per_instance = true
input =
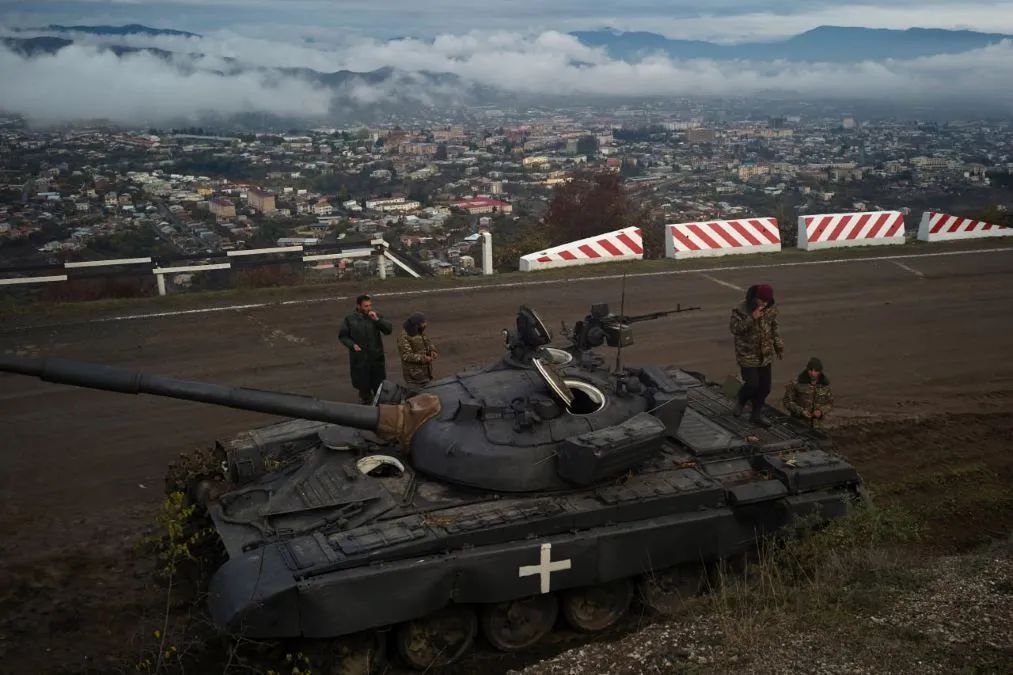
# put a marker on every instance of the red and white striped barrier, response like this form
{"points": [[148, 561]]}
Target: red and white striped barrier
{"points": [[832, 230], [942, 227], [722, 237], [624, 244]]}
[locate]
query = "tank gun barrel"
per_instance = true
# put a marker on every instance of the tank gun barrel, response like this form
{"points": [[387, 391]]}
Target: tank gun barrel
{"points": [[124, 381]]}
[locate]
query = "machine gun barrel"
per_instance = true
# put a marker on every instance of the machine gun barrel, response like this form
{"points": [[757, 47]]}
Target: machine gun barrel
{"points": [[655, 315], [110, 378]]}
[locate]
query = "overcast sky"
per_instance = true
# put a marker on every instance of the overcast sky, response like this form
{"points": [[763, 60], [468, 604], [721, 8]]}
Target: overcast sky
{"points": [[724, 20]]}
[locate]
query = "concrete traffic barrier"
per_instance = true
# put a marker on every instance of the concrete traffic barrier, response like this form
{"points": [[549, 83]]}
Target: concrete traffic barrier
{"points": [[624, 244], [942, 227], [722, 237], [832, 230]]}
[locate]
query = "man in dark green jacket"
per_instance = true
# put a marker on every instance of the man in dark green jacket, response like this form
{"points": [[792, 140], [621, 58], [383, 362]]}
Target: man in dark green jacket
{"points": [[362, 332]]}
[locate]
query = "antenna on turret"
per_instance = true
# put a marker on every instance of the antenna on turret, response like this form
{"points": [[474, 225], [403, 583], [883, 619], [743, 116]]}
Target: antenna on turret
{"points": [[619, 350]]}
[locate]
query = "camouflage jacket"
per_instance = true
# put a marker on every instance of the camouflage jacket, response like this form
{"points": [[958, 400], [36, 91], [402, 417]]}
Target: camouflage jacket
{"points": [[414, 349], [802, 396], [757, 341]]}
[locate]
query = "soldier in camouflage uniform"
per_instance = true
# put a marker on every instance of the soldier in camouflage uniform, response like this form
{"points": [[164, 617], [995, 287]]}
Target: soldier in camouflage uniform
{"points": [[417, 352], [809, 397], [757, 341]]}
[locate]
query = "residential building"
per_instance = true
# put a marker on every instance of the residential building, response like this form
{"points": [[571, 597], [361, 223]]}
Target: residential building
{"points": [[479, 205], [393, 205], [261, 200], [223, 209]]}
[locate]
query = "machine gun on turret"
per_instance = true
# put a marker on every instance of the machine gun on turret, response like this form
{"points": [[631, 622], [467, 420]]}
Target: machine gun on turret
{"points": [[603, 327]]}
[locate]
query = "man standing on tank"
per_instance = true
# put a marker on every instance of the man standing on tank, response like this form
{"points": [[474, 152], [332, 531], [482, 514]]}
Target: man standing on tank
{"points": [[417, 352], [362, 333], [757, 341]]}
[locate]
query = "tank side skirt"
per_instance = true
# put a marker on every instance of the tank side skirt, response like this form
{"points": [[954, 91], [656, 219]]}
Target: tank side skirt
{"points": [[386, 593]]}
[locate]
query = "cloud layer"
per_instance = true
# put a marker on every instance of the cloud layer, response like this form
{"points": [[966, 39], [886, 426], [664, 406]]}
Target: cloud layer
{"points": [[217, 74], [81, 82]]}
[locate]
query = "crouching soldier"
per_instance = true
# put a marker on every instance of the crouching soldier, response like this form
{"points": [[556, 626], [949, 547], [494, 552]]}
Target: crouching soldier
{"points": [[417, 352], [809, 397]]}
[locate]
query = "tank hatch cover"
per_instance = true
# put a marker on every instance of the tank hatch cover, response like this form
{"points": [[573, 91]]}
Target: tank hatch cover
{"points": [[554, 382], [557, 357], [706, 437], [531, 329], [321, 485]]}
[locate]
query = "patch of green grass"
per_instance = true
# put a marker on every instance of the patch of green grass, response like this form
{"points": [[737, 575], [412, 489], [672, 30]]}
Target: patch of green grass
{"points": [[852, 567]]}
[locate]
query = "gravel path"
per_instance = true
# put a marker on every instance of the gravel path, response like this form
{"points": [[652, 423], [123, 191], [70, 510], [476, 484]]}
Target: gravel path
{"points": [[960, 618]]}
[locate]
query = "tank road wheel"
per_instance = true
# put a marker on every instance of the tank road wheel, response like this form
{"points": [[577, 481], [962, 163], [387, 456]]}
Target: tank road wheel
{"points": [[595, 608], [358, 654], [512, 626], [665, 591], [438, 639]]}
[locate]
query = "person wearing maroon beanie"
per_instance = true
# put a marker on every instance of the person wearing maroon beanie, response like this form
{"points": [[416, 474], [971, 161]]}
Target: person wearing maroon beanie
{"points": [[757, 342]]}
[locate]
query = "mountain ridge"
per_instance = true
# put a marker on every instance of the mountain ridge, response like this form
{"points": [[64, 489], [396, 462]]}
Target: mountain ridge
{"points": [[129, 29], [841, 44]]}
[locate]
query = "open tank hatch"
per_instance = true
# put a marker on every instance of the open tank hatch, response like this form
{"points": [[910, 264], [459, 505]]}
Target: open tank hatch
{"points": [[579, 397], [587, 398], [556, 357]]}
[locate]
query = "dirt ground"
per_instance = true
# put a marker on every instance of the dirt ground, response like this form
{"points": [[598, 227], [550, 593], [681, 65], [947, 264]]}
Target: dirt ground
{"points": [[918, 352]]}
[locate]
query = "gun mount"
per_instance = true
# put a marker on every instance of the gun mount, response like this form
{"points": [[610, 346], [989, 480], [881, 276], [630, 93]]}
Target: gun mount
{"points": [[601, 326]]}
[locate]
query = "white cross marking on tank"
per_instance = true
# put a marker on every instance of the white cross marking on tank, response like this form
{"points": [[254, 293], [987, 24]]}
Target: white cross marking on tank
{"points": [[545, 567]]}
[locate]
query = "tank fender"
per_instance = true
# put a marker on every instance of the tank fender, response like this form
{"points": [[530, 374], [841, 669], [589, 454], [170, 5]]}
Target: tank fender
{"points": [[255, 596]]}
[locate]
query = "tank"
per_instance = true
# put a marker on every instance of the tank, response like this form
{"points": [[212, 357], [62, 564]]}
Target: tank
{"points": [[551, 481]]}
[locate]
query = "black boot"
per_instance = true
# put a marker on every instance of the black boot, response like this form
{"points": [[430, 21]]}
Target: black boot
{"points": [[759, 420]]}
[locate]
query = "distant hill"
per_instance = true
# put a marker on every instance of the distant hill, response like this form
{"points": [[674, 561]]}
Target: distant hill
{"points": [[826, 43], [132, 29], [38, 46]]}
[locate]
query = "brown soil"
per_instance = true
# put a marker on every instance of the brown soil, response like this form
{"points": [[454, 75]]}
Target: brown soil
{"points": [[919, 362]]}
